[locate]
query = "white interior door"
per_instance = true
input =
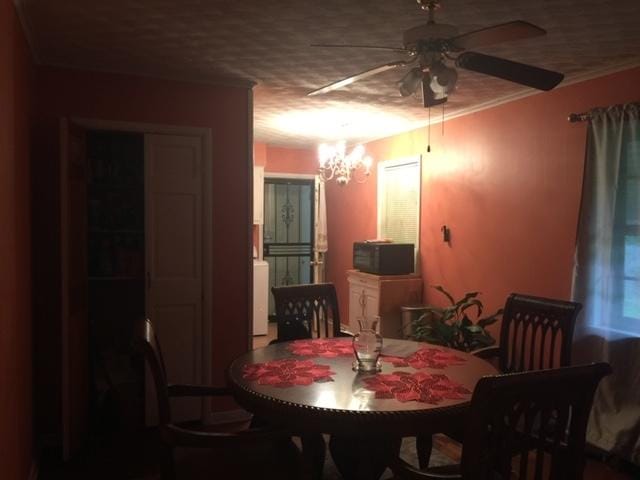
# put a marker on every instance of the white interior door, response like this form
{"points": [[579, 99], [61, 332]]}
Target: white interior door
{"points": [[174, 206]]}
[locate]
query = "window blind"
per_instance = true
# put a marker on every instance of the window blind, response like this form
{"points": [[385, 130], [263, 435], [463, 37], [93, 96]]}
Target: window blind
{"points": [[400, 201]]}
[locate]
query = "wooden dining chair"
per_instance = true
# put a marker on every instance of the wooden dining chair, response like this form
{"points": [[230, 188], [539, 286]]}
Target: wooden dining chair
{"points": [[305, 311], [308, 311], [536, 333], [248, 452], [529, 425]]}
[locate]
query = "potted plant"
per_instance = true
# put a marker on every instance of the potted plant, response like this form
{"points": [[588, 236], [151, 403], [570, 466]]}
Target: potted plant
{"points": [[452, 326]]}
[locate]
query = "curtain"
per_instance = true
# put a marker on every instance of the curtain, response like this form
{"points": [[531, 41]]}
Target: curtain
{"points": [[321, 244], [607, 276]]}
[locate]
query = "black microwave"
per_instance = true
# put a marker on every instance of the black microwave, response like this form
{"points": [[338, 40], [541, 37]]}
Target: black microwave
{"points": [[383, 258]]}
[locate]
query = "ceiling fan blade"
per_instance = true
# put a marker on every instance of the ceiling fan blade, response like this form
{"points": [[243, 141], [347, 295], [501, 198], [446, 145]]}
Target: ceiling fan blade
{"points": [[498, 33], [375, 47], [354, 78], [521, 73]]}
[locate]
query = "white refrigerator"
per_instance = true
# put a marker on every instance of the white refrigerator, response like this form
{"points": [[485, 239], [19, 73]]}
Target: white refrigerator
{"points": [[260, 297]]}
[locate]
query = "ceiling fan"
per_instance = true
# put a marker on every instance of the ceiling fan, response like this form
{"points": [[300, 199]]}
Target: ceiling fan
{"points": [[431, 46]]}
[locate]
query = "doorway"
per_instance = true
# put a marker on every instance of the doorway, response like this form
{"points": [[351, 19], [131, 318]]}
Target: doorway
{"points": [[135, 213], [288, 235], [116, 278]]}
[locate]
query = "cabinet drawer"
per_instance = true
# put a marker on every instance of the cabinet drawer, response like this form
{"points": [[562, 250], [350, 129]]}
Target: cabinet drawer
{"points": [[359, 282]]}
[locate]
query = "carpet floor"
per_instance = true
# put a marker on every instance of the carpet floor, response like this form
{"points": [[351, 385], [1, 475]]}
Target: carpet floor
{"points": [[135, 459], [407, 453]]}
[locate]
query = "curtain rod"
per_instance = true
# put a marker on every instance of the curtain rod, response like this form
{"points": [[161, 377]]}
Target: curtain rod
{"points": [[579, 117]]}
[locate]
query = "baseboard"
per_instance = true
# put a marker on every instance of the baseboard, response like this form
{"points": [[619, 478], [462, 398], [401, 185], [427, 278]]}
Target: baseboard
{"points": [[228, 416], [33, 472]]}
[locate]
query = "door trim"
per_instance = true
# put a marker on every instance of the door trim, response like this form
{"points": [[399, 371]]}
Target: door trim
{"points": [[205, 136], [292, 176]]}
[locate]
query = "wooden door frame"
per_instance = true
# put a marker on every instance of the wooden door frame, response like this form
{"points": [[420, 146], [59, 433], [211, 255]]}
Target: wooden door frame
{"points": [[205, 136]]}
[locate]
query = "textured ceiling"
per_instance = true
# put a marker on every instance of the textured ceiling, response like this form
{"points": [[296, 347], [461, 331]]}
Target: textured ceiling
{"points": [[268, 42]]}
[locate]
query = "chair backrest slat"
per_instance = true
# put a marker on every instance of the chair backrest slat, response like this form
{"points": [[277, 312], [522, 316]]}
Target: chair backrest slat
{"points": [[536, 333], [307, 310]]}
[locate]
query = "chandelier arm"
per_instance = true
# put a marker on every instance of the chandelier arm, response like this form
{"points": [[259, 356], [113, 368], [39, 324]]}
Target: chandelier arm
{"points": [[336, 163]]}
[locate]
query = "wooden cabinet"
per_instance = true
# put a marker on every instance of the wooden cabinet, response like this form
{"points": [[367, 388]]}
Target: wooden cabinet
{"points": [[382, 295]]}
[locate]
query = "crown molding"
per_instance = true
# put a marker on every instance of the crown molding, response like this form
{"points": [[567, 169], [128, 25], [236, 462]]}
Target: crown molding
{"points": [[27, 29]]}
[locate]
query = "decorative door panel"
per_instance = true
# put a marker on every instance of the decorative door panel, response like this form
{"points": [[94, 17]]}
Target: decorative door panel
{"points": [[174, 187], [288, 232]]}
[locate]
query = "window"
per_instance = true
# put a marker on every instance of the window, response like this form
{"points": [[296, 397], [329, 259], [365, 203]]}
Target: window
{"points": [[399, 200], [631, 230], [607, 268]]}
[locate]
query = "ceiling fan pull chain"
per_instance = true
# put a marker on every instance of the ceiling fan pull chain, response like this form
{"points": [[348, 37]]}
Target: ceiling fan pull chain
{"points": [[429, 131]]}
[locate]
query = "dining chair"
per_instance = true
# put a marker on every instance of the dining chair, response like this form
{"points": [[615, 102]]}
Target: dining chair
{"points": [[536, 333], [523, 425], [305, 311], [248, 452]]}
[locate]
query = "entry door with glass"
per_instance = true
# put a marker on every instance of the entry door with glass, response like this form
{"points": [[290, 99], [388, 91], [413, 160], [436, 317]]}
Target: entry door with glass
{"points": [[288, 232]]}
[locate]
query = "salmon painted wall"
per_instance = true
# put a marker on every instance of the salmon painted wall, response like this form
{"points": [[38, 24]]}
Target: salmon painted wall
{"points": [[288, 160], [16, 416], [506, 181], [300, 161], [225, 110]]}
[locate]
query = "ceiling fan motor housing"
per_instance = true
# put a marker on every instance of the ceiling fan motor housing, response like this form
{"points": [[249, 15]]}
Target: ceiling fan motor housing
{"points": [[429, 31]]}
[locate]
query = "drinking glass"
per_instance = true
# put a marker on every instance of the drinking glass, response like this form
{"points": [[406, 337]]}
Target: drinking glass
{"points": [[367, 345]]}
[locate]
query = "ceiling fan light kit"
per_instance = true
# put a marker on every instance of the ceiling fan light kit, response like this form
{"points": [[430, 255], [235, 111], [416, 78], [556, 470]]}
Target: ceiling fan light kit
{"points": [[410, 82], [432, 45]]}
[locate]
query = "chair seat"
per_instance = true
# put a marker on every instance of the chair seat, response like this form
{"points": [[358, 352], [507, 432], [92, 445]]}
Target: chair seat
{"points": [[234, 427]]}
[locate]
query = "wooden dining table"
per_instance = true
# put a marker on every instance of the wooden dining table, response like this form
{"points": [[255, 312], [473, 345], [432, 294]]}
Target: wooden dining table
{"points": [[311, 387]]}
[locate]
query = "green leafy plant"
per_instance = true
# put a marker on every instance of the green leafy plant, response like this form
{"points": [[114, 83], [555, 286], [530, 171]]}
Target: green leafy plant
{"points": [[452, 326]]}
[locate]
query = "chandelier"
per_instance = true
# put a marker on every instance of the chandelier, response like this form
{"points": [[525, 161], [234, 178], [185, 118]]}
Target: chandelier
{"points": [[335, 163]]}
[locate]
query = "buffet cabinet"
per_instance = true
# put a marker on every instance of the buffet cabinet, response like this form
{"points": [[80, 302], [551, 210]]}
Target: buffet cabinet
{"points": [[382, 295]]}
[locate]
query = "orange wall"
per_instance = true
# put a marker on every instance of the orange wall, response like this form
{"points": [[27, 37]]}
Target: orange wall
{"points": [[286, 160], [506, 180], [225, 110], [16, 70]]}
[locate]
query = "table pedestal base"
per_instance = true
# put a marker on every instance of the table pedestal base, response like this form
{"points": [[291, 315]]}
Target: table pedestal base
{"points": [[363, 458]]}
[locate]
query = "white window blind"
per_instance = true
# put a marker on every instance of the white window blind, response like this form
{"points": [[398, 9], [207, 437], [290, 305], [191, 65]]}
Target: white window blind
{"points": [[399, 200]]}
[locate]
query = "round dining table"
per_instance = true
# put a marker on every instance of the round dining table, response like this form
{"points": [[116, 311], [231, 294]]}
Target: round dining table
{"points": [[310, 387]]}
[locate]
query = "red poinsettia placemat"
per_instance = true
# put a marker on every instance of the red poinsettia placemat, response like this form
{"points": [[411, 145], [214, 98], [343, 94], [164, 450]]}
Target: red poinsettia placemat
{"points": [[287, 373], [419, 387], [426, 357], [321, 347]]}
